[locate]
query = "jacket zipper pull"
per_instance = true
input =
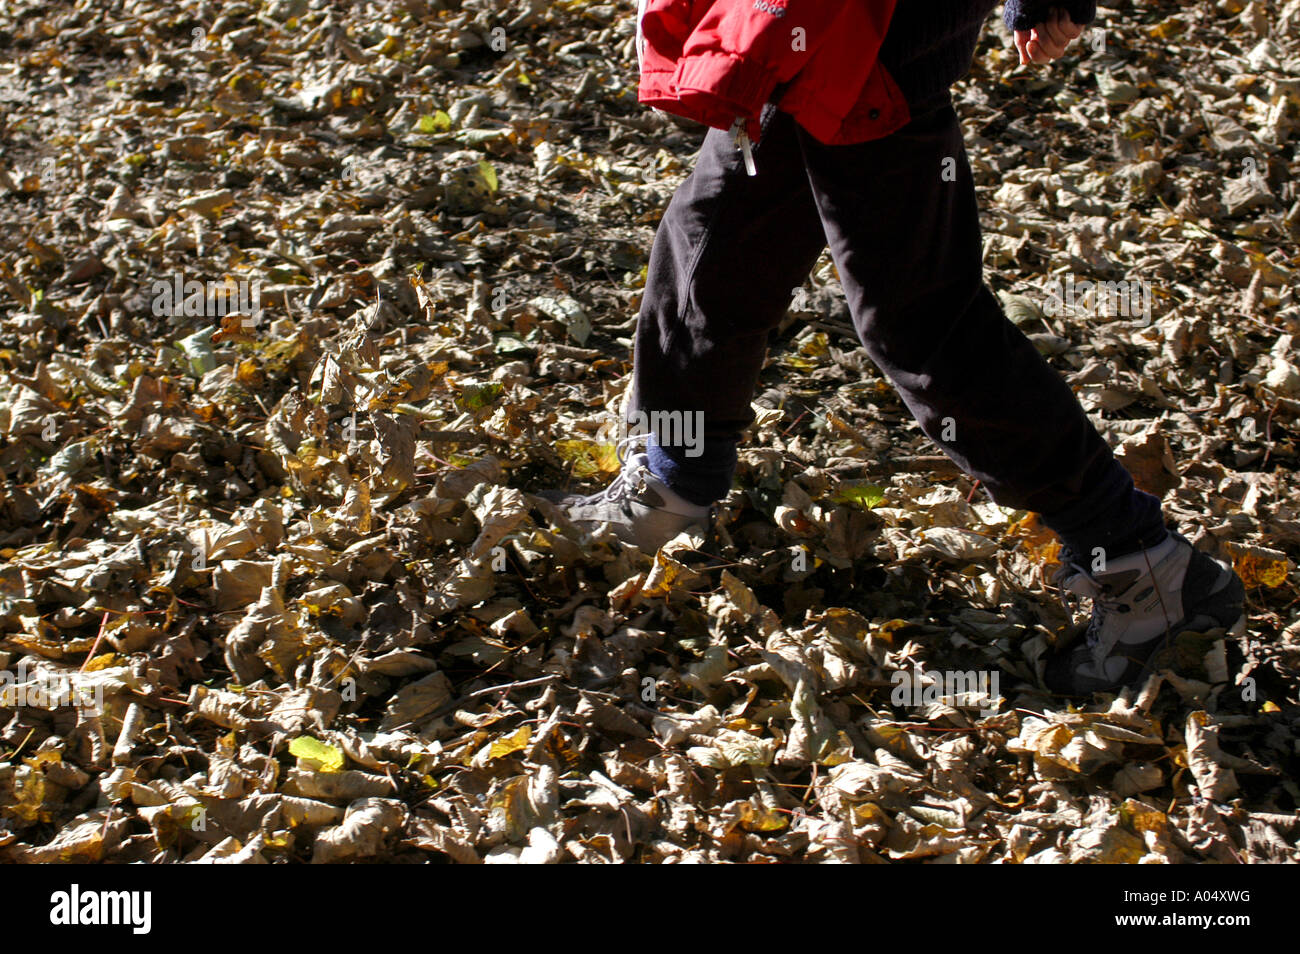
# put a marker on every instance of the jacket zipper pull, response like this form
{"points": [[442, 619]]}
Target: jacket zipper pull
{"points": [[742, 142]]}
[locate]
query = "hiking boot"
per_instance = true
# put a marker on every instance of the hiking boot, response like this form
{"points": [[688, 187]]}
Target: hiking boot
{"points": [[1139, 605], [639, 507]]}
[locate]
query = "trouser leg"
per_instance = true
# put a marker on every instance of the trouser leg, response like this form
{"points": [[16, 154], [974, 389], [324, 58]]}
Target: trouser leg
{"points": [[906, 241], [727, 256]]}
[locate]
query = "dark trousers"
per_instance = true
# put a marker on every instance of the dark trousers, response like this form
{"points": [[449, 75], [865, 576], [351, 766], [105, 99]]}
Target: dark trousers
{"points": [[730, 250]]}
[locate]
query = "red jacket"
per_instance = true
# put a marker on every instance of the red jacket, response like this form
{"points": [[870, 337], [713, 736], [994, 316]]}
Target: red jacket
{"points": [[719, 61]]}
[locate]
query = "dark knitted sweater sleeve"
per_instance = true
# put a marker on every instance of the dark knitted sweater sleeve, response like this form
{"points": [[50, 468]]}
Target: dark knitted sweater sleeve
{"points": [[1027, 14]]}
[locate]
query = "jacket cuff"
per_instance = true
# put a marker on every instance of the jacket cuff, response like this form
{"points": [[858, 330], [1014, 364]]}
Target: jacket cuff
{"points": [[1027, 14], [733, 82]]}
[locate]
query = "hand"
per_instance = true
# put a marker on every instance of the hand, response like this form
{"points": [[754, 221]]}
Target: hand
{"points": [[1048, 40]]}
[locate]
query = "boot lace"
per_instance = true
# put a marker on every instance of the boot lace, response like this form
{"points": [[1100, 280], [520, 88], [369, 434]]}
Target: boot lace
{"points": [[622, 487], [1073, 578]]}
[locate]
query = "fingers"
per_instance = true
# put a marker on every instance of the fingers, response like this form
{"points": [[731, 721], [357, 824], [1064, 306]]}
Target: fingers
{"points": [[1049, 43], [1022, 46], [1048, 40]]}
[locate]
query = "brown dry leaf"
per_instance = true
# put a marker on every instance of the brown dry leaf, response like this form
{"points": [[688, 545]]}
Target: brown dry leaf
{"points": [[1215, 780], [368, 824]]}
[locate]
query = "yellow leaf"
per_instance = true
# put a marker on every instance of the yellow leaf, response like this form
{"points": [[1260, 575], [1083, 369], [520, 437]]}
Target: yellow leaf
{"points": [[1259, 566], [47, 757], [762, 818], [1167, 29], [1118, 847], [668, 574], [102, 661], [511, 743], [887, 630], [512, 804], [864, 495], [316, 755], [489, 175], [841, 752], [816, 346], [588, 458], [893, 735], [34, 798], [433, 123], [1039, 543], [1140, 817]]}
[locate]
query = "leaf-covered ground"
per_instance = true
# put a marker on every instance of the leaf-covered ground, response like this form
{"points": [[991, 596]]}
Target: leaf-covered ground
{"points": [[301, 565]]}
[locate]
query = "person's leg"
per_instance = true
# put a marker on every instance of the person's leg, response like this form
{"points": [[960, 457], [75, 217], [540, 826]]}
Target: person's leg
{"points": [[906, 240], [727, 255]]}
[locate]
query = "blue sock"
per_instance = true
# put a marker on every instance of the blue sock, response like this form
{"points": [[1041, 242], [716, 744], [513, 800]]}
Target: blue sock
{"points": [[702, 479]]}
